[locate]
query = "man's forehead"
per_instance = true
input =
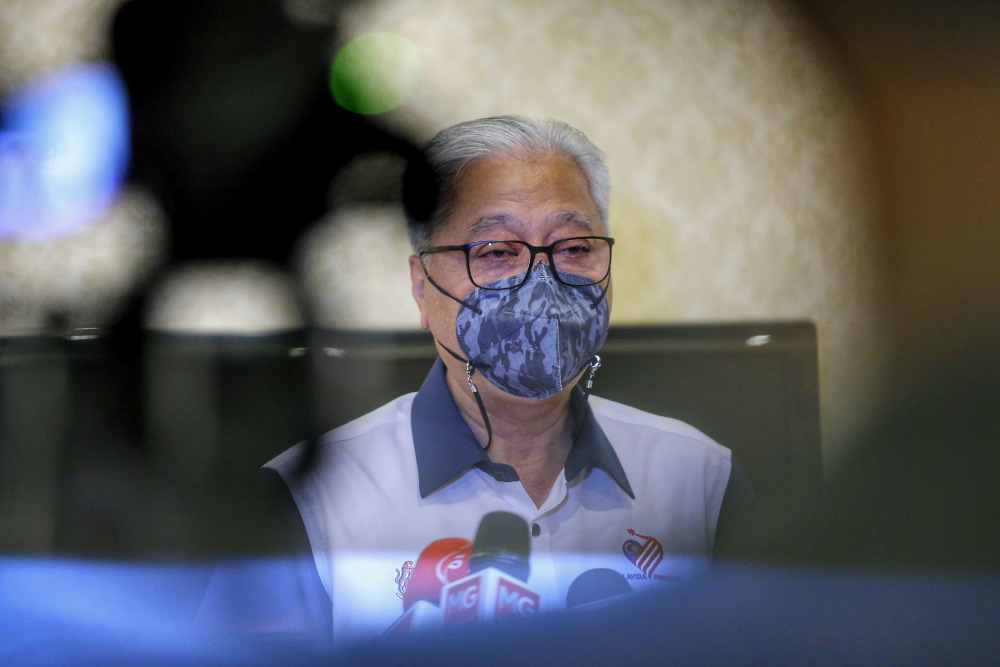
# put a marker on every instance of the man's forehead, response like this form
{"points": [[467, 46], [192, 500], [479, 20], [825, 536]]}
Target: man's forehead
{"points": [[490, 222], [511, 192]]}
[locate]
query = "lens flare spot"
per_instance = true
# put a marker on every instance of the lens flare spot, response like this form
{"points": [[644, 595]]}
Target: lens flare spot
{"points": [[375, 73], [64, 150]]}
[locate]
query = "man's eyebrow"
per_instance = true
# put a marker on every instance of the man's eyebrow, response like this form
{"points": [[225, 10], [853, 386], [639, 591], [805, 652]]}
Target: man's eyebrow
{"points": [[488, 222], [580, 218]]}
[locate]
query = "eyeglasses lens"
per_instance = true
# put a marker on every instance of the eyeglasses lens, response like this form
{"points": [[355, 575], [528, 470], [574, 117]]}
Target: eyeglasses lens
{"points": [[581, 261]]}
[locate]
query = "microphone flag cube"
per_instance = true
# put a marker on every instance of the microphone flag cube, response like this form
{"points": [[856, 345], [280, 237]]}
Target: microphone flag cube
{"points": [[487, 595]]}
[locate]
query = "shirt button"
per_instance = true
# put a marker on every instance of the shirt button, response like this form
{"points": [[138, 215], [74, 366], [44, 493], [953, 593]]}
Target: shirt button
{"points": [[498, 476], [536, 530]]}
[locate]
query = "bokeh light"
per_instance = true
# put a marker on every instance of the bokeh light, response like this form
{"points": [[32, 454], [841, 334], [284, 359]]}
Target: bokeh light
{"points": [[38, 37], [241, 297], [64, 150], [84, 277], [353, 268], [375, 72]]}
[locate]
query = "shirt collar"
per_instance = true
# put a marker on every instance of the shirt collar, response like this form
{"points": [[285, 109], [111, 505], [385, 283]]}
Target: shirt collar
{"points": [[446, 448]]}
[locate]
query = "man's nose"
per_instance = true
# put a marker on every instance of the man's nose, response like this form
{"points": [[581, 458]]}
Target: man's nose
{"points": [[542, 270], [540, 256]]}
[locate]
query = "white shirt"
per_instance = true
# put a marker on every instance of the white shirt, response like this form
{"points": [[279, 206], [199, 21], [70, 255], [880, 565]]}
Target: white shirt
{"points": [[390, 483]]}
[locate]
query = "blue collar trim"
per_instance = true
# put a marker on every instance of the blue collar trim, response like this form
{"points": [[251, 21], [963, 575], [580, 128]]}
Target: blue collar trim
{"points": [[446, 448]]}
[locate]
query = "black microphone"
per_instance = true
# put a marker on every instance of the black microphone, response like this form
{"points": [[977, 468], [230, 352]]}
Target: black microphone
{"points": [[502, 542], [498, 568], [596, 587]]}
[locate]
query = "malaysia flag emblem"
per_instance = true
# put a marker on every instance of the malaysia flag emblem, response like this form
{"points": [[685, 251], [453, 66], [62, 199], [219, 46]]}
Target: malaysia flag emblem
{"points": [[645, 554]]}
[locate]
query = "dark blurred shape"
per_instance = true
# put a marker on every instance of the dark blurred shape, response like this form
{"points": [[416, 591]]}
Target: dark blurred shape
{"points": [[594, 586], [104, 453], [128, 444], [35, 416], [918, 487], [375, 177], [216, 408], [233, 125], [735, 616], [421, 191]]}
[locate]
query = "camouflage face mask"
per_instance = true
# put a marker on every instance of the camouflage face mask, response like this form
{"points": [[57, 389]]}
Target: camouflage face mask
{"points": [[533, 340]]}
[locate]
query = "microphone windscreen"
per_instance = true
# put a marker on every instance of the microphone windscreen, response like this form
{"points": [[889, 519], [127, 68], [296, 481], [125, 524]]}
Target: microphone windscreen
{"points": [[441, 562], [596, 585], [502, 542]]}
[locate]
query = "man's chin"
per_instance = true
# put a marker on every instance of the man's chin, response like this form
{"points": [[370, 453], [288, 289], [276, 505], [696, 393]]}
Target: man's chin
{"points": [[553, 399]]}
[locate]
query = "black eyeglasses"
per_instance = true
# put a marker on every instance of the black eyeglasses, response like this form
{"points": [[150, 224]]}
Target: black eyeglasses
{"points": [[578, 261]]}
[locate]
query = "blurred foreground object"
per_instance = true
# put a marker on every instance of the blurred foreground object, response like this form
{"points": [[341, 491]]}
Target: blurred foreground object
{"points": [[919, 486], [225, 387]]}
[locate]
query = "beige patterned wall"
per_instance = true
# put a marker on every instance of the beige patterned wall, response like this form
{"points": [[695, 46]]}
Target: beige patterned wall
{"points": [[740, 189]]}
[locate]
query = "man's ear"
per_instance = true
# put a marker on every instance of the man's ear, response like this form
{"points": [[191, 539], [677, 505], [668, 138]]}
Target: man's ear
{"points": [[419, 281]]}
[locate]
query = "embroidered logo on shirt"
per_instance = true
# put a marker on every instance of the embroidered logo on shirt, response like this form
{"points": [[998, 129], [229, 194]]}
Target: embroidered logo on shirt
{"points": [[645, 554], [403, 578]]}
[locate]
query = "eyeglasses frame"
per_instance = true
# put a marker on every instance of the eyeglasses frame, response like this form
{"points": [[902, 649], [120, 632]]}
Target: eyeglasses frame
{"points": [[534, 249]]}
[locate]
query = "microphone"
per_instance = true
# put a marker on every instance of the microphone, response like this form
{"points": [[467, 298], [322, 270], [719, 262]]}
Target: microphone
{"points": [[498, 569], [423, 615], [595, 588], [441, 562]]}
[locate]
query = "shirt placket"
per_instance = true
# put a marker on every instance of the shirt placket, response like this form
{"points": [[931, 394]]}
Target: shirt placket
{"points": [[543, 562]]}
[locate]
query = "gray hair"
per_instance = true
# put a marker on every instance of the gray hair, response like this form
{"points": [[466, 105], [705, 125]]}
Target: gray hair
{"points": [[428, 184]]}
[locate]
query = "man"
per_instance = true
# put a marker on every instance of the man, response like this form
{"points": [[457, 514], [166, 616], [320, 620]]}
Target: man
{"points": [[508, 218]]}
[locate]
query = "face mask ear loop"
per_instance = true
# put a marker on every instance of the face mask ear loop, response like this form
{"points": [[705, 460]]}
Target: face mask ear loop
{"points": [[477, 311], [596, 302], [595, 363], [469, 370]]}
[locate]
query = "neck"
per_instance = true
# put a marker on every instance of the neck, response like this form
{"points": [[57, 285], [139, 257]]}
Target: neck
{"points": [[532, 436]]}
